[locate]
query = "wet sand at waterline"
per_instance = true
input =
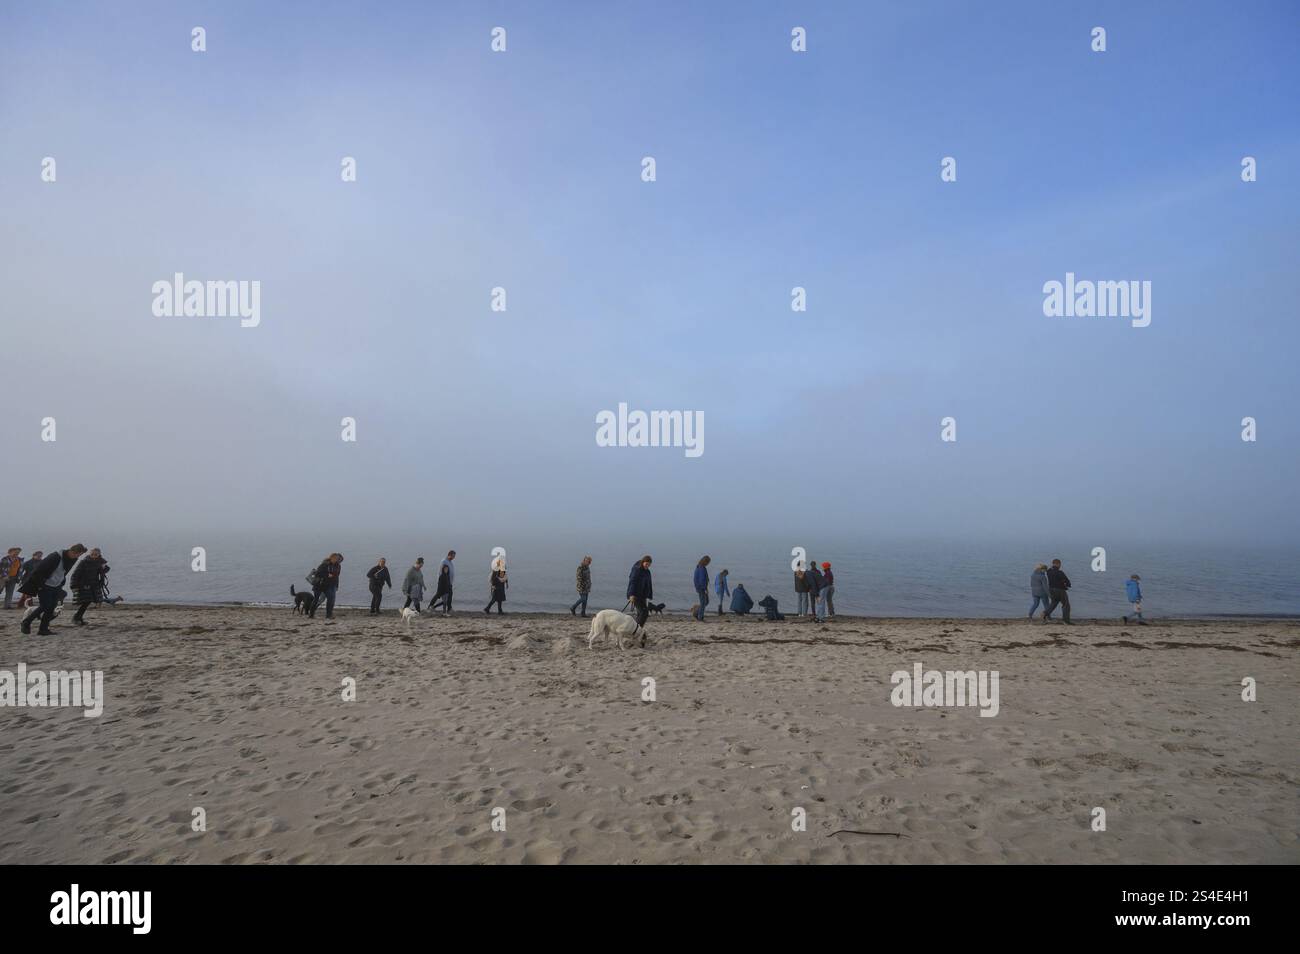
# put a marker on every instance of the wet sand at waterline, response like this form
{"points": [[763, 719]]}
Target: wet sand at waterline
{"points": [[239, 711]]}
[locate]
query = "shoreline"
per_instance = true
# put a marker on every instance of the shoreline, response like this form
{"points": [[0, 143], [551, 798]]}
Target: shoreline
{"points": [[360, 609]]}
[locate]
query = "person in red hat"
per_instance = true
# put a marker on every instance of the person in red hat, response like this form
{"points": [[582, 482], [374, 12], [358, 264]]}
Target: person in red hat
{"points": [[825, 597]]}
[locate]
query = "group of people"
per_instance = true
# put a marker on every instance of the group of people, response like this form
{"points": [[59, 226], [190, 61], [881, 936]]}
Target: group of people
{"points": [[413, 585], [42, 583], [814, 590], [1050, 586], [324, 582]]}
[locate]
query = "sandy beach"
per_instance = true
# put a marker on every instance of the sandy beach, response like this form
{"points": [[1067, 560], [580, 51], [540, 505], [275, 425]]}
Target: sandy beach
{"points": [[239, 711]]}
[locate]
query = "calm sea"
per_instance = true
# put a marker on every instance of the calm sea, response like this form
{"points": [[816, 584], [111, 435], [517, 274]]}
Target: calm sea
{"points": [[877, 579]]}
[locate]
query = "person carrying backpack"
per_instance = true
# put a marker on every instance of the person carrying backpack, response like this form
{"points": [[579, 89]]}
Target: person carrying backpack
{"points": [[45, 583]]}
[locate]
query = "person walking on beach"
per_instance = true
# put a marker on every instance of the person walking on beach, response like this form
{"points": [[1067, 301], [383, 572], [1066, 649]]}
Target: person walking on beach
{"points": [[1133, 590], [497, 583], [327, 581], [801, 583], [446, 577], [379, 577], [640, 590], [413, 585], [584, 587], [1058, 585], [11, 568], [86, 581], [28, 569], [46, 584], [1039, 589], [827, 592], [814, 577], [701, 581], [721, 588]]}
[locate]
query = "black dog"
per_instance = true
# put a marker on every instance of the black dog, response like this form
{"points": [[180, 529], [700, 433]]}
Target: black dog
{"points": [[301, 601], [652, 607]]}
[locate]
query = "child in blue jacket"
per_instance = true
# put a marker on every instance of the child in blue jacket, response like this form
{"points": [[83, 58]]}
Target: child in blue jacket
{"points": [[1133, 590]]}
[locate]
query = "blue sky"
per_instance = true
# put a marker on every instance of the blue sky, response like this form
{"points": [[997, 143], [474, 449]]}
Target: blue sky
{"points": [[775, 169]]}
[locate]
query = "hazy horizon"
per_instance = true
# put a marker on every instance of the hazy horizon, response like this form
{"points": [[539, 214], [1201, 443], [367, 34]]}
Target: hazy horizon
{"points": [[775, 169]]}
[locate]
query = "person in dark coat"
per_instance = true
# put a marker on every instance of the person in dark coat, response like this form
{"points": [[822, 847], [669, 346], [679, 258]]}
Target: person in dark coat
{"points": [[83, 581], [640, 590], [815, 584], [770, 608], [379, 577], [327, 584], [741, 602], [801, 586], [86, 581], [28, 569], [317, 581], [46, 584], [498, 583], [701, 583], [1058, 586], [446, 576]]}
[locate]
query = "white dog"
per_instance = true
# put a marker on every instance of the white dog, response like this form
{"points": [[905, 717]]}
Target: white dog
{"points": [[612, 622], [409, 614]]}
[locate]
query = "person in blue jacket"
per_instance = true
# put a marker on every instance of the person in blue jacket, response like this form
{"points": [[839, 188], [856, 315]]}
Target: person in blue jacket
{"points": [[741, 602], [701, 587], [722, 589], [1038, 589], [1133, 590]]}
